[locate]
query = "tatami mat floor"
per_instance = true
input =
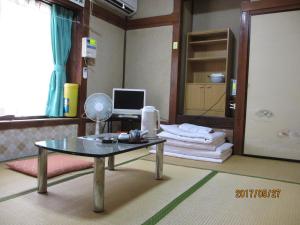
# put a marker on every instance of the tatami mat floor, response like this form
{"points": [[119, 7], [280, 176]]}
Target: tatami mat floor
{"points": [[243, 165], [12, 182], [186, 195], [217, 203], [132, 195]]}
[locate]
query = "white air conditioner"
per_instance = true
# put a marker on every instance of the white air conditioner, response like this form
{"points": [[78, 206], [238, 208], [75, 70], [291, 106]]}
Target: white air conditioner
{"points": [[79, 2], [126, 7]]}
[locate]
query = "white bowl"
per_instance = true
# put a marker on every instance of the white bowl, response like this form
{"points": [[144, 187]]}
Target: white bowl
{"points": [[217, 78]]}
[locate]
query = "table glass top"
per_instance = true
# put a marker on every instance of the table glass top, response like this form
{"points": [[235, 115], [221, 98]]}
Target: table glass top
{"points": [[92, 146]]}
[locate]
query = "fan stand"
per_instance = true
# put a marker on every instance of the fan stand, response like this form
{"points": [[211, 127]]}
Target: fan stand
{"points": [[97, 127]]}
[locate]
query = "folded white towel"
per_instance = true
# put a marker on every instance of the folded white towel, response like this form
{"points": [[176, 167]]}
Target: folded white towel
{"points": [[195, 128], [184, 144], [214, 139], [220, 151], [174, 129], [195, 157]]}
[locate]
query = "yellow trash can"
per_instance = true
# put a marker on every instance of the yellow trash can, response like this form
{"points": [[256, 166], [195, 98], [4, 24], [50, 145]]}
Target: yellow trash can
{"points": [[70, 99]]}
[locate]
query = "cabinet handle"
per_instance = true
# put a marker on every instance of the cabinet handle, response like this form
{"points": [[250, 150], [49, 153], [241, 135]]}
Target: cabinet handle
{"points": [[208, 87], [201, 87]]}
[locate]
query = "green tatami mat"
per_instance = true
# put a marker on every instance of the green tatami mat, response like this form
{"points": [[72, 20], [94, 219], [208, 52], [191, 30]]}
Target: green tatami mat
{"points": [[132, 195], [216, 204], [242, 165]]}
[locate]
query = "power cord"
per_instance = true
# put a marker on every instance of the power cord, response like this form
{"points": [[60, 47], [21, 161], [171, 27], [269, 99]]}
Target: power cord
{"points": [[217, 102]]}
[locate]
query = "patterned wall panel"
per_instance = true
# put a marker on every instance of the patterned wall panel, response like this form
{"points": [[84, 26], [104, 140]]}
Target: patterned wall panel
{"points": [[17, 143]]}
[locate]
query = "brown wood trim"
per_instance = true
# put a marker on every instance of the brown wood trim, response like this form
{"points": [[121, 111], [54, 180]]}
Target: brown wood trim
{"points": [[275, 10], [155, 21], [76, 63], [85, 21], [242, 80], [269, 5], [108, 16], [175, 63], [273, 158], [215, 122], [21, 124], [64, 3], [175, 70], [177, 7], [12, 117]]}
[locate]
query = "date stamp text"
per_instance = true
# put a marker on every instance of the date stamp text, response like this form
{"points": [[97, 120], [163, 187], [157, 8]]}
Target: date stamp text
{"points": [[258, 193]]}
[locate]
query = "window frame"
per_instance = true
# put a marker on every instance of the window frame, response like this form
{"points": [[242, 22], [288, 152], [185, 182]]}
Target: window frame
{"points": [[74, 68]]}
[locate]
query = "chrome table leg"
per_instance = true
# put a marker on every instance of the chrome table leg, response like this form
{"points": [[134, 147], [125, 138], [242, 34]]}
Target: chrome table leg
{"points": [[159, 161], [111, 162], [42, 171], [98, 192]]}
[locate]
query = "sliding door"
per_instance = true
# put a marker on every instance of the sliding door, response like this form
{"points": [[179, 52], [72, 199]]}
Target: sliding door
{"points": [[272, 126]]}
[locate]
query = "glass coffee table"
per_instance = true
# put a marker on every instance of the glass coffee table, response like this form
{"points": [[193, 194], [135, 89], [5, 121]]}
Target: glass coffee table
{"points": [[91, 146]]}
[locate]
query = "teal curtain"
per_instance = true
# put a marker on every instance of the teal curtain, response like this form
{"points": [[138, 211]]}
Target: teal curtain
{"points": [[61, 34]]}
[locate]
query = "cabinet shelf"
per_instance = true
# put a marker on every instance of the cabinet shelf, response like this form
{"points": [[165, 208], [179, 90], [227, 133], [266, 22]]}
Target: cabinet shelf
{"points": [[209, 35], [208, 42], [199, 59], [207, 52], [205, 83]]}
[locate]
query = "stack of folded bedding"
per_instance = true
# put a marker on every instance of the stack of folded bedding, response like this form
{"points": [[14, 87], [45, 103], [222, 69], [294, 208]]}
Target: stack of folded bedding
{"points": [[195, 142]]}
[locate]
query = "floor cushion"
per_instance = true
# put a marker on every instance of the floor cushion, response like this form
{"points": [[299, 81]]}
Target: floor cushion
{"points": [[57, 165]]}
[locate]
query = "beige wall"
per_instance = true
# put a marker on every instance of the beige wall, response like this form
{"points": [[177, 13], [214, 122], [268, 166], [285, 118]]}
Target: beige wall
{"points": [[215, 14], [148, 56], [107, 73], [273, 85], [148, 64], [149, 8]]}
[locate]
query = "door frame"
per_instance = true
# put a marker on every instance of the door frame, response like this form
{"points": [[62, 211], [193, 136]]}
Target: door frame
{"points": [[249, 9]]}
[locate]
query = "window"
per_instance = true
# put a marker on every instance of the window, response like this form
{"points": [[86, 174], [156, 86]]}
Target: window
{"points": [[25, 57]]}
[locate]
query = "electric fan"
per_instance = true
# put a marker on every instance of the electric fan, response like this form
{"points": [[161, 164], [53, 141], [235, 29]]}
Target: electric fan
{"points": [[98, 107]]}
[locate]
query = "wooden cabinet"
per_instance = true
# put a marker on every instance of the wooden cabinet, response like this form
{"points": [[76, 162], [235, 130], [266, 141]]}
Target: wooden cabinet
{"points": [[207, 53], [215, 97], [205, 99], [195, 97]]}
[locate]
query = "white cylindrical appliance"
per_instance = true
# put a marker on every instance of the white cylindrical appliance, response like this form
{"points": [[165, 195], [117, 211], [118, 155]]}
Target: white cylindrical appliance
{"points": [[150, 121]]}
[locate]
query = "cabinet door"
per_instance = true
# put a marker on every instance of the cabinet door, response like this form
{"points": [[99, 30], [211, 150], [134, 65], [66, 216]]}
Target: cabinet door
{"points": [[194, 97], [215, 97]]}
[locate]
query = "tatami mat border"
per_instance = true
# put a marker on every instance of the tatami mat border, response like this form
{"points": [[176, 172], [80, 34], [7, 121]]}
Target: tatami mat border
{"points": [[169, 207], [173, 204], [222, 171]]}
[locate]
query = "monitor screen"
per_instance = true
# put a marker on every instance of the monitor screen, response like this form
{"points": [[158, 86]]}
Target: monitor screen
{"points": [[128, 101]]}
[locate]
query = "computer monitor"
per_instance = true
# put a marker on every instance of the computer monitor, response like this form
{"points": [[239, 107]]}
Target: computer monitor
{"points": [[128, 101]]}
